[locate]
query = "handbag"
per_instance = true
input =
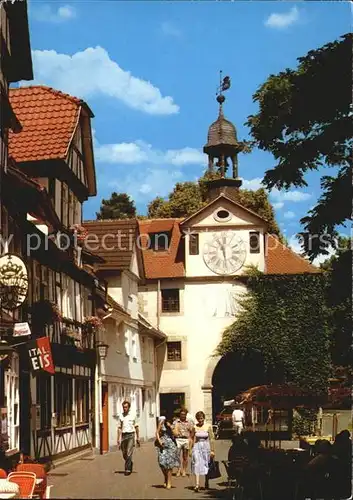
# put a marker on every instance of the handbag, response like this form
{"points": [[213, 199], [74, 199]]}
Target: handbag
{"points": [[157, 444], [213, 469]]}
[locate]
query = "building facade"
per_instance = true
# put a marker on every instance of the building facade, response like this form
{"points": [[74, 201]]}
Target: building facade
{"points": [[195, 276], [132, 367], [50, 176], [15, 65]]}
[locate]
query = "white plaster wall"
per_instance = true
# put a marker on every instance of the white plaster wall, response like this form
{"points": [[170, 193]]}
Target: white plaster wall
{"points": [[240, 216], [124, 290], [208, 308], [132, 369]]}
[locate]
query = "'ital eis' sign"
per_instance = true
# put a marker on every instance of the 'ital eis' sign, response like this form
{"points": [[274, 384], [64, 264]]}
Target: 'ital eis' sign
{"points": [[40, 355]]}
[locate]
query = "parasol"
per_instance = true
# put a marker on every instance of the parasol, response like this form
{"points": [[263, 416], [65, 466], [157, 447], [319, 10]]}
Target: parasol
{"points": [[282, 396]]}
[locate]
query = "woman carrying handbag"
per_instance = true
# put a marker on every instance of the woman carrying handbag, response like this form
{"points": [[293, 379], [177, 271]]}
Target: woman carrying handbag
{"points": [[202, 441]]}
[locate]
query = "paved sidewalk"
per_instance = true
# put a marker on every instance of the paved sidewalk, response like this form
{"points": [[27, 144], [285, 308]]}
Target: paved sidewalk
{"points": [[102, 476]]}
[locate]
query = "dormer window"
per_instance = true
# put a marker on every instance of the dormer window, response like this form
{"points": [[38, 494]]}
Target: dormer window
{"points": [[159, 242], [222, 215]]}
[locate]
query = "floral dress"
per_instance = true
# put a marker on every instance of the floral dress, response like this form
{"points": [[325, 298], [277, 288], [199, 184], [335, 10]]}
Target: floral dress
{"points": [[168, 456]]}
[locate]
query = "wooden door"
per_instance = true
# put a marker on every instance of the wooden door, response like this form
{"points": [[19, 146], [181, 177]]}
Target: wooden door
{"points": [[105, 415]]}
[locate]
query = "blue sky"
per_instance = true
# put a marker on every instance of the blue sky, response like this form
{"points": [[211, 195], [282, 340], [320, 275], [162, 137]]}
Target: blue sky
{"points": [[149, 71]]}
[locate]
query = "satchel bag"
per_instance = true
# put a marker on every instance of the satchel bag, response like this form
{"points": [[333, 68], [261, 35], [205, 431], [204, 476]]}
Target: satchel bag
{"points": [[213, 469]]}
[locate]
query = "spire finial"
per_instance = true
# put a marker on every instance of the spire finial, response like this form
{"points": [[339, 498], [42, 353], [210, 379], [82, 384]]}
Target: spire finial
{"points": [[224, 84]]}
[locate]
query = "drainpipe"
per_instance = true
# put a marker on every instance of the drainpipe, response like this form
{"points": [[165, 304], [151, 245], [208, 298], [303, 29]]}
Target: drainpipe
{"points": [[158, 302], [156, 346]]}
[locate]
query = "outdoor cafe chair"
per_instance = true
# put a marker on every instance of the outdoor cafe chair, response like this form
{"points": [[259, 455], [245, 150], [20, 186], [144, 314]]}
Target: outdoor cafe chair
{"points": [[235, 477], [26, 482], [41, 475]]}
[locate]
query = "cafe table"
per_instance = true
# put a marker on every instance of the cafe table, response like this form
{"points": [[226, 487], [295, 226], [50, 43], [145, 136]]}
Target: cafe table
{"points": [[312, 439]]}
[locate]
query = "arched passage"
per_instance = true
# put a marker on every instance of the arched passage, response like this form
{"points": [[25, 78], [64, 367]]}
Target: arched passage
{"points": [[232, 374]]}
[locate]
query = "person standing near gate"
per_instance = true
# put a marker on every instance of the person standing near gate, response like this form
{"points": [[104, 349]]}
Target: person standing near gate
{"points": [[128, 430], [238, 419]]}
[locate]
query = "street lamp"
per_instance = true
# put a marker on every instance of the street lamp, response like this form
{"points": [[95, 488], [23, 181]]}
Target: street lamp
{"points": [[102, 350]]}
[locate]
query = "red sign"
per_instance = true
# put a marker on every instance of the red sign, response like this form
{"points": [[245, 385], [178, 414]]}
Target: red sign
{"points": [[41, 356]]}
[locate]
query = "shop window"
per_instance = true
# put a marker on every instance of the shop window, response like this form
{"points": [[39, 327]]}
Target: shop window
{"points": [[63, 400], [82, 400], [44, 400]]}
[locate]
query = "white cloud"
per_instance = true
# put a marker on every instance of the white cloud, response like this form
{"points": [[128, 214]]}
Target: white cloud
{"points": [[295, 196], [252, 184], [66, 12], [282, 21], [46, 13], [289, 215], [145, 184], [92, 72], [278, 205], [128, 153], [169, 29]]}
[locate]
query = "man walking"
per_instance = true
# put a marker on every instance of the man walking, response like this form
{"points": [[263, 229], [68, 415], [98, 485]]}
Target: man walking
{"points": [[127, 430], [238, 420]]}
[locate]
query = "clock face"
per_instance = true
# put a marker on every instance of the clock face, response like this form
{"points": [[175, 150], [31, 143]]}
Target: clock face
{"points": [[224, 253]]}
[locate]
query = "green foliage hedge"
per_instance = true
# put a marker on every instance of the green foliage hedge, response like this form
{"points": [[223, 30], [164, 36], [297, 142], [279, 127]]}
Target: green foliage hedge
{"points": [[285, 318]]}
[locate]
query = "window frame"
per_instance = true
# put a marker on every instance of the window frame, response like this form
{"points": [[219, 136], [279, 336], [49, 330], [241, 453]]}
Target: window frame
{"points": [[43, 400], [63, 399], [154, 237], [194, 246], [254, 250], [170, 304], [174, 351]]}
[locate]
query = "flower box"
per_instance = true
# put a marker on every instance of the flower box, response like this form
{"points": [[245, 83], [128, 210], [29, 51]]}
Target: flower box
{"points": [[45, 312]]}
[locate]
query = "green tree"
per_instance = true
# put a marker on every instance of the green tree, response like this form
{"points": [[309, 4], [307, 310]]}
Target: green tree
{"points": [[286, 319], [304, 120], [188, 197], [119, 206]]}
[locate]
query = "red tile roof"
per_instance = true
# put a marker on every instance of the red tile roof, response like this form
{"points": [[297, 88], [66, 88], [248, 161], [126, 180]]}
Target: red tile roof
{"points": [[279, 258], [163, 264], [48, 118], [282, 260]]}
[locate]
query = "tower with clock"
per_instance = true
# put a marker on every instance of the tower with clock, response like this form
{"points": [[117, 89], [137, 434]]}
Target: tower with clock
{"points": [[194, 286], [224, 237]]}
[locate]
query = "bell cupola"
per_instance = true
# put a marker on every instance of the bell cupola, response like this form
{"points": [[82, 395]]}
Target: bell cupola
{"points": [[222, 149]]}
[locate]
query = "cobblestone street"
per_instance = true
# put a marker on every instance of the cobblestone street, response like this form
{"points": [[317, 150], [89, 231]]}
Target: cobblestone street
{"points": [[103, 477]]}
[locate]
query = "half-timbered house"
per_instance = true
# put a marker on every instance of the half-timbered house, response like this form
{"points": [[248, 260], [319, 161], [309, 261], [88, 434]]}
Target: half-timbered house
{"points": [[15, 65], [55, 148]]}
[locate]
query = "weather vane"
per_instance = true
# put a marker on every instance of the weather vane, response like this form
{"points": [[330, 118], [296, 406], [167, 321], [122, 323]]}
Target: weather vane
{"points": [[224, 84]]}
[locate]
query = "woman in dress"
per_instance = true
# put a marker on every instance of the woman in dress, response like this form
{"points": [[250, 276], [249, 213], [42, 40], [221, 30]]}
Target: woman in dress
{"points": [[202, 442], [168, 456]]}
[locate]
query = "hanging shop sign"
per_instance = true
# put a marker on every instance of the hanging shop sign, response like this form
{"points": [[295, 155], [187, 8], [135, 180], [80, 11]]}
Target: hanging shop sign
{"points": [[40, 355], [21, 329], [13, 281]]}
